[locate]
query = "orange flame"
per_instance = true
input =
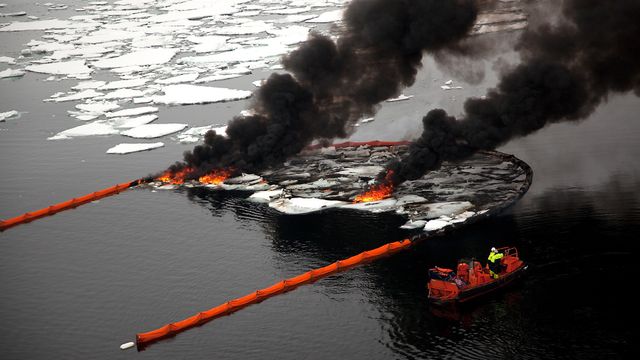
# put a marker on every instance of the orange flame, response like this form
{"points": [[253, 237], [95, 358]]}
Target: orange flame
{"points": [[176, 178], [215, 177], [377, 191]]}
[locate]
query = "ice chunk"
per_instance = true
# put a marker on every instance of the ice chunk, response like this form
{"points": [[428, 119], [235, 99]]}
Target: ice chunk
{"points": [[127, 345], [136, 147], [410, 225], [123, 94], [217, 78], [98, 107], [243, 54], [48, 24], [133, 111], [151, 131], [86, 94], [385, 205], [9, 73], [297, 206], [410, 199], [265, 196], [366, 171], [83, 85], [328, 17], [128, 123], [8, 114], [257, 83], [402, 97], [196, 133], [178, 79], [447, 87], [94, 128], [449, 82], [61, 68], [447, 209], [367, 120], [138, 58], [123, 84], [433, 225], [7, 60], [246, 28], [193, 94], [211, 43]]}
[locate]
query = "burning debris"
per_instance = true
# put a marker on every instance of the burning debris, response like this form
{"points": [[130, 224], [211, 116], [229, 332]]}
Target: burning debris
{"points": [[343, 177]]}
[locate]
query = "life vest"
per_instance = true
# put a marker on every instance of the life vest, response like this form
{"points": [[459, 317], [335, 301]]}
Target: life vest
{"points": [[495, 256]]}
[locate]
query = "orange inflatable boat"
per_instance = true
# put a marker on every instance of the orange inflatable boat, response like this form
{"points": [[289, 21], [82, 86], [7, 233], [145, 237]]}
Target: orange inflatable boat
{"points": [[471, 279]]}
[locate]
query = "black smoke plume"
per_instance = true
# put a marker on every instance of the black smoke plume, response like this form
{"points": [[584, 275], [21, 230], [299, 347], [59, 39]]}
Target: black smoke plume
{"points": [[331, 84], [567, 69]]}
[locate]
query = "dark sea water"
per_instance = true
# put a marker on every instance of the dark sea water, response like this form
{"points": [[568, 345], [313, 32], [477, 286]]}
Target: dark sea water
{"points": [[78, 284]]}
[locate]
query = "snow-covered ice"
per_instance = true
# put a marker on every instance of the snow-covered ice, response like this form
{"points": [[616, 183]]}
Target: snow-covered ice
{"points": [[151, 131], [138, 58], [123, 84], [85, 94], [7, 60], [184, 94], [8, 114], [98, 107], [129, 123], [178, 79], [132, 111], [297, 206], [91, 129], [328, 17], [61, 68], [9, 73], [402, 97], [127, 148]]}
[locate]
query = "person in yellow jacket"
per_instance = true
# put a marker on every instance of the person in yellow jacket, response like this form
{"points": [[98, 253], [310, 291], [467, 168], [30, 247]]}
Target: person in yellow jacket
{"points": [[494, 262]]}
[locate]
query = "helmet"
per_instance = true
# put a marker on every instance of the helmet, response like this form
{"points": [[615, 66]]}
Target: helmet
{"points": [[494, 250]]}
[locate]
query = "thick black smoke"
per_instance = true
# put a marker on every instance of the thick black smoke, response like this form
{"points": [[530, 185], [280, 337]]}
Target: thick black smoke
{"points": [[567, 69], [332, 84]]}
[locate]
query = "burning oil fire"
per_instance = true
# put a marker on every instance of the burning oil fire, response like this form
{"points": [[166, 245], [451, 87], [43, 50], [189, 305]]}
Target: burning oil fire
{"points": [[176, 178], [215, 177], [377, 191]]}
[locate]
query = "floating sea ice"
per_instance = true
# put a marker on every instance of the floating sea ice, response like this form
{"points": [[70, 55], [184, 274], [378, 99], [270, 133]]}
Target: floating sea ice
{"points": [[98, 107], [265, 196], [85, 94], [447, 87], [7, 60], [83, 85], [433, 225], [48, 24], [9, 73], [258, 83], [150, 131], [130, 123], [367, 120], [91, 129], [178, 79], [8, 114], [123, 94], [142, 100], [410, 225], [136, 147], [196, 133], [328, 17], [132, 112], [449, 82], [216, 78], [211, 43], [380, 206], [194, 94], [138, 58], [297, 206], [246, 28], [295, 18], [288, 11], [402, 97], [123, 84], [251, 53], [16, 13], [61, 68]]}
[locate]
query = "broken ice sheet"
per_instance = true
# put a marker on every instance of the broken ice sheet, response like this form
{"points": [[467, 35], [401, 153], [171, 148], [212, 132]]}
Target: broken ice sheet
{"points": [[7, 60], [10, 73], [298, 206], [8, 114], [91, 129], [127, 148], [138, 58], [402, 97], [194, 94], [123, 84], [85, 94], [178, 79], [48, 24], [132, 122], [98, 107], [61, 68], [196, 133], [328, 17], [150, 131], [132, 112]]}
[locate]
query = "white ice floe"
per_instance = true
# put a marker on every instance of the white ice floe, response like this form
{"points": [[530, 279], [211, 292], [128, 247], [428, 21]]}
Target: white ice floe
{"points": [[367, 120], [91, 129], [91, 84], [8, 114], [123, 94], [123, 84], [246, 28], [138, 58], [196, 133], [448, 87], [433, 225], [410, 225], [82, 95], [239, 55], [193, 94], [297, 18], [328, 17], [9, 73], [7, 60], [410, 199], [402, 97], [129, 123], [131, 148], [132, 112], [178, 79], [297, 206], [266, 196], [61, 68], [218, 77], [98, 107], [450, 209], [386, 205], [48, 25], [151, 131], [211, 43], [258, 83]]}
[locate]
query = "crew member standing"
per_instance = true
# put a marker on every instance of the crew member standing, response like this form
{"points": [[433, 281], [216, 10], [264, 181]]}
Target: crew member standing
{"points": [[494, 262]]}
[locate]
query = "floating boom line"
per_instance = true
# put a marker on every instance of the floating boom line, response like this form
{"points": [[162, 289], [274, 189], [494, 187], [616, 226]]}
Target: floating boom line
{"points": [[146, 338], [69, 204]]}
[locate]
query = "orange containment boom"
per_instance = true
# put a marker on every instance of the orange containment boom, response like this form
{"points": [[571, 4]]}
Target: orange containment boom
{"points": [[273, 290], [69, 204]]}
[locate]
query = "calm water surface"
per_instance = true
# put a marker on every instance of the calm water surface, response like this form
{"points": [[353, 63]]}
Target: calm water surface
{"points": [[78, 284]]}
